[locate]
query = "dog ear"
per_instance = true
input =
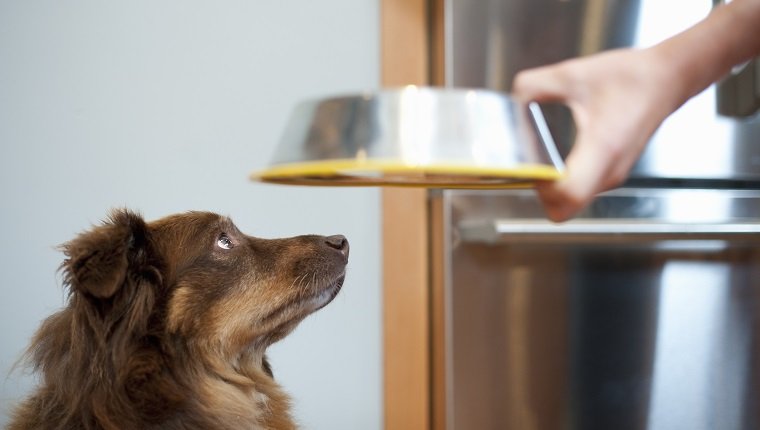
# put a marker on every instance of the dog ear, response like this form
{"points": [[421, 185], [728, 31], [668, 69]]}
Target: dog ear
{"points": [[97, 260]]}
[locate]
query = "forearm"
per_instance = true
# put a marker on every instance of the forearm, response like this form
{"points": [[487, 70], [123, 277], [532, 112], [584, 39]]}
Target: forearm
{"points": [[706, 52]]}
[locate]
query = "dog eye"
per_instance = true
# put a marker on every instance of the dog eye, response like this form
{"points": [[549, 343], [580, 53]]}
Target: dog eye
{"points": [[224, 242]]}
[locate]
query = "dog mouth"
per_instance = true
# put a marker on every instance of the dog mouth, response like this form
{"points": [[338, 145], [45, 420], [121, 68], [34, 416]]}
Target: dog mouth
{"points": [[328, 293], [315, 295], [283, 319]]}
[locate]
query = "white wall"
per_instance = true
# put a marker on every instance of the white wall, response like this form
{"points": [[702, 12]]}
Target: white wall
{"points": [[166, 106]]}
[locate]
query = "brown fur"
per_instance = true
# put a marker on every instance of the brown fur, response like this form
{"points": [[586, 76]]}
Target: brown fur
{"points": [[164, 328]]}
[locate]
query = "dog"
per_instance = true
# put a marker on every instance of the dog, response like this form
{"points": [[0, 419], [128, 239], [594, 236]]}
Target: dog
{"points": [[166, 325]]}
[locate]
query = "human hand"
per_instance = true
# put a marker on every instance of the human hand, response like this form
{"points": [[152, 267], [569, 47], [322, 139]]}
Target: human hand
{"points": [[618, 99]]}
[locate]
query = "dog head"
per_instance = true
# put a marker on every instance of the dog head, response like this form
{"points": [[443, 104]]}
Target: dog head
{"points": [[196, 276]]}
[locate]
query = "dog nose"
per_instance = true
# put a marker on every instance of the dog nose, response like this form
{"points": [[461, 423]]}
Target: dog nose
{"points": [[338, 242]]}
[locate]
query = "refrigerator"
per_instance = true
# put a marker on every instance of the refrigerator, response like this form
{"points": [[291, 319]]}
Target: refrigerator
{"points": [[643, 312]]}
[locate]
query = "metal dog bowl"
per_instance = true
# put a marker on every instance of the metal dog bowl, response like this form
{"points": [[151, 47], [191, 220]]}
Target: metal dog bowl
{"points": [[424, 137]]}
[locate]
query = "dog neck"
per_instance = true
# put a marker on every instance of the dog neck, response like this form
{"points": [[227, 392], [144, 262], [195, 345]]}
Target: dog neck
{"points": [[148, 382], [242, 387]]}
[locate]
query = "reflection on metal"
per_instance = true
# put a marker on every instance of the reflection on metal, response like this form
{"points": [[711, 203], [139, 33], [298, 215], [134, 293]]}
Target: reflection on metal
{"points": [[534, 230], [642, 313], [690, 350], [739, 94], [416, 137], [489, 41], [585, 325]]}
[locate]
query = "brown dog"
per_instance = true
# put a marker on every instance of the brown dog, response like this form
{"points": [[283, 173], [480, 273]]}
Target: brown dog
{"points": [[167, 324]]}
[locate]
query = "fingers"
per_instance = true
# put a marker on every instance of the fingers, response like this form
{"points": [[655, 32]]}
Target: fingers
{"points": [[543, 84], [557, 205], [609, 139], [591, 160], [587, 174], [564, 198]]}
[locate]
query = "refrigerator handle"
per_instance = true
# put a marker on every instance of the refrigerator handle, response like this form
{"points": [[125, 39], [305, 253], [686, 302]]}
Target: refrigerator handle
{"points": [[738, 94], [606, 231]]}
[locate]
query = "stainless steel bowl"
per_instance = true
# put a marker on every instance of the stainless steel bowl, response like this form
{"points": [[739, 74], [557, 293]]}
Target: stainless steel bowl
{"points": [[425, 137]]}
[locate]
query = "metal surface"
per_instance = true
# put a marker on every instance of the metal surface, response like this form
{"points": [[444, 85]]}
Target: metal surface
{"points": [[416, 136], [607, 231], [738, 94], [570, 327], [641, 313], [489, 41], [624, 215]]}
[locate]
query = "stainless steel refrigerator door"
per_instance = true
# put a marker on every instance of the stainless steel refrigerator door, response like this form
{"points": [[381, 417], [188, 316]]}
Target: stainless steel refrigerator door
{"points": [[640, 314], [489, 41]]}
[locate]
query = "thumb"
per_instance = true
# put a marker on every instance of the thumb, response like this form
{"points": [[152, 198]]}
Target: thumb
{"points": [[542, 84]]}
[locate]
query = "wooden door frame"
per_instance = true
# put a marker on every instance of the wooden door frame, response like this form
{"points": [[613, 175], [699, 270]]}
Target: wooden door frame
{"points": [[413, 394]]}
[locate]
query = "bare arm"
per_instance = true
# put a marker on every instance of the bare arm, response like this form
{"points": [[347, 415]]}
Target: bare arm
{"points": [[619, 98]]}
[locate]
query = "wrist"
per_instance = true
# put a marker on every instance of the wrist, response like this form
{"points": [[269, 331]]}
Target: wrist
{"points": [[706, 52], [670, 83]]}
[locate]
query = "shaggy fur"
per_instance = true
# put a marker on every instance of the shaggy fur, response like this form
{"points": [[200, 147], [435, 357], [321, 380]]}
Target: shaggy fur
{"points": [[166, 325]]}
